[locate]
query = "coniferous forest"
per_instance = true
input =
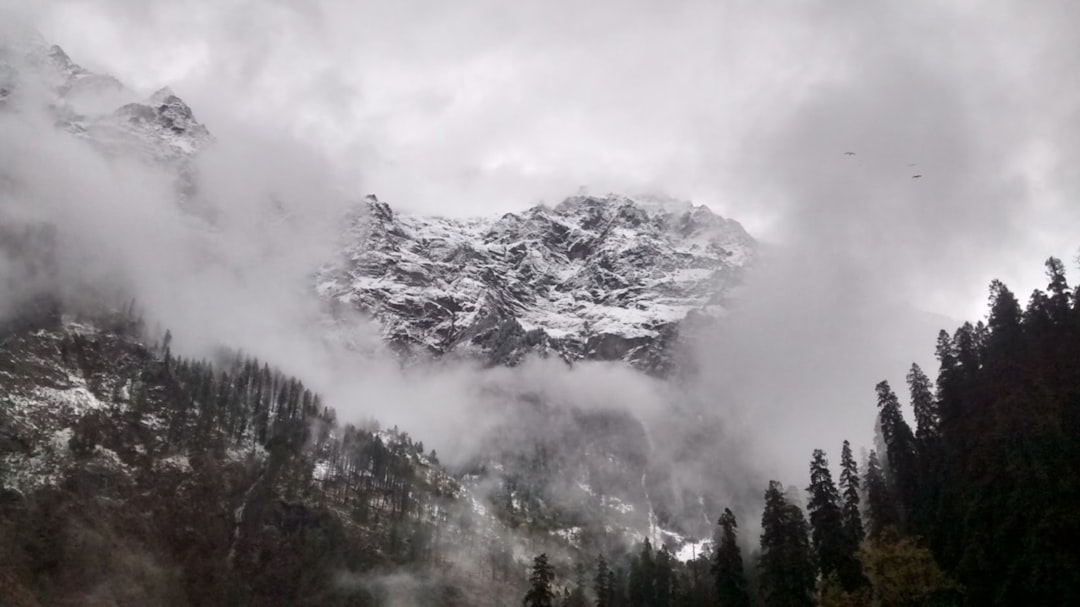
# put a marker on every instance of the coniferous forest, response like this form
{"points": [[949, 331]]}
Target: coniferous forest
{"points": [[974, 502]]}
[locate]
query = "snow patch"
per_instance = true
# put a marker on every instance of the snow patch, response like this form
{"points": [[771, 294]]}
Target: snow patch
{"points": [[692, 550]]}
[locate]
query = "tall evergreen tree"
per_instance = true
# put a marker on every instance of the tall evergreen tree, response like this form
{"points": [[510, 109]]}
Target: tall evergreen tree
{"points": [[834, 549], [901, 472], [1005, 315], [879, 501], [849, 487], [786, 564], [604, 583], [728, 565], [663, 579], [924, 404], [1060, 296], [540, 593]]}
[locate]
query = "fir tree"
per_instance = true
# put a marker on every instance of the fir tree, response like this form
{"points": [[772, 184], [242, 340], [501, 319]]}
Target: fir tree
{"points": [[948, 375], [833, 552], [879, 501], [922, 401], [540, 593], [1060, 300], [1005, 316], [901, 472], [728, 565], [604, 583], [663, 579], [786, 565], [849, 487], [928, 455]]}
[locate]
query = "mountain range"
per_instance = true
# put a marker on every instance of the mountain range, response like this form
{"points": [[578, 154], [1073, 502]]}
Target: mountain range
{"points": [[97, 412]]}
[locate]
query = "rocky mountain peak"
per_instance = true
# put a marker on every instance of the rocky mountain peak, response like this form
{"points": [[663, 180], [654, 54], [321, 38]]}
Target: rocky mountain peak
{"points": [[98, 106], [595, 277], [162, 124]]}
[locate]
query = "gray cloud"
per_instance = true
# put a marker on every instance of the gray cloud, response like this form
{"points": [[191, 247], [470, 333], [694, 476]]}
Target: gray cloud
{"points": [[483, 107], [862, 245]]}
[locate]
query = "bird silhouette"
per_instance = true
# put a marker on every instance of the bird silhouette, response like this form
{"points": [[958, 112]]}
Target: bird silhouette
{"points": [[849, 153], [916, 176]]}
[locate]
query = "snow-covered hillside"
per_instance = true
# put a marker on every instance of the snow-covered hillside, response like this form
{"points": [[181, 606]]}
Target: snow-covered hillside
{"points": [[598, 277]]}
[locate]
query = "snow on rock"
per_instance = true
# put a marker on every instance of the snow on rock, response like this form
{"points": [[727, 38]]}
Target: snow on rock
{"points": [[76, 401], [693, 549], [606, 277], [97, 107]]}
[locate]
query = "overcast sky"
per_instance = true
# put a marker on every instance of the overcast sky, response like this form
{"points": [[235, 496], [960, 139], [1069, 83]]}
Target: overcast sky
{"points": [[486, 106]]}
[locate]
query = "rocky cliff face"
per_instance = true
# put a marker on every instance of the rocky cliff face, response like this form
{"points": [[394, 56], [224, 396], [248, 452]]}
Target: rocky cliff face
{"points": [[595, 277], [96, 106]]}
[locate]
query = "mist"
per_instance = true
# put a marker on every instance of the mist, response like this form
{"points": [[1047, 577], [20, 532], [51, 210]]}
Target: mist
{"points": [[483, 108]]}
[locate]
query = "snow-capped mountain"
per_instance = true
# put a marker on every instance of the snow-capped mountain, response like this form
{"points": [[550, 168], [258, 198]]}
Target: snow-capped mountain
{"points": [[595, 277], [84, 403], [98, 107]]}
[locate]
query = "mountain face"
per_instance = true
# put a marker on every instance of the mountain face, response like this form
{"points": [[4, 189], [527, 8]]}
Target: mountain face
{"points": [[595, 277], [161, 129]]}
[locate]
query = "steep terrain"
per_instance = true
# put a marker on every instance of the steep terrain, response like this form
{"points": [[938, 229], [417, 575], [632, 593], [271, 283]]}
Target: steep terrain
{"points": [[98, 107], [128, 476], [602, 278]]}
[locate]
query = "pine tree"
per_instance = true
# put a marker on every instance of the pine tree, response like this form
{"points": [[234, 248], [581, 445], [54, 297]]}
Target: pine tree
{"points": [[901, 473], [948, 380], [1005, 315], [642, 577], [786, 565], [540, 593], [926, 477], [604, 583], [1060, 296], [728, 565], [879, 501], [636, 590], [831, 548], [924, 404], [849, 487], [663, 579]]}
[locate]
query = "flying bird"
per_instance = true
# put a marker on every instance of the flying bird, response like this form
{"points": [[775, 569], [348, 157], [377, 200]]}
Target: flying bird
{"points": [[849, 153], [916, 176]]}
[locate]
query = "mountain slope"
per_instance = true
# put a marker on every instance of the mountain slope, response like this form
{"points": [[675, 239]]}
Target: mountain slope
{"points": [[602, 278], [129, 476]]}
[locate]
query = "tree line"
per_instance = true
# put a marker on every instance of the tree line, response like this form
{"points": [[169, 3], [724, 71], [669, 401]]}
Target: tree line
{"points": [[978, 503]]}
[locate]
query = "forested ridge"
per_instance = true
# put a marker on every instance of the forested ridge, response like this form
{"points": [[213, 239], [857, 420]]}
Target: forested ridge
{"points": [[209, 483], [975, 503]]}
